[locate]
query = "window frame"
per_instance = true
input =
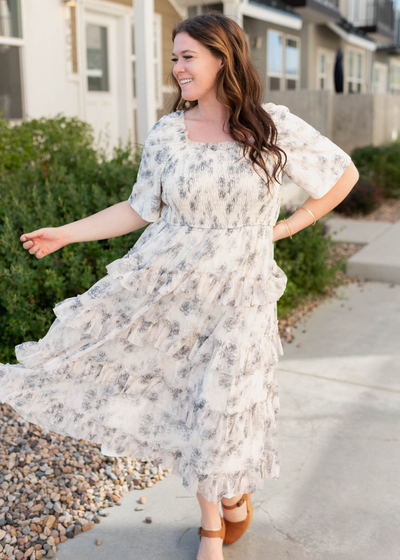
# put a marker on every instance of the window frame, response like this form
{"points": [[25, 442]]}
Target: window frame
{"points": [[354, 79], [393, 89], [21, 44], [325, 76], [283, 76], [379, 66], [91, 73], [289, 76]]}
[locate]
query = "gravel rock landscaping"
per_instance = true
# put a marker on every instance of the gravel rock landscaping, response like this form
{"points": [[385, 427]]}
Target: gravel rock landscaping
{"points": [[53, 487]]}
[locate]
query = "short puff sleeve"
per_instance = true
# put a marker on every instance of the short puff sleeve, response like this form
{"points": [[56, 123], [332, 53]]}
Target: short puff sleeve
{"points": [[314, 162], [146, 192]]}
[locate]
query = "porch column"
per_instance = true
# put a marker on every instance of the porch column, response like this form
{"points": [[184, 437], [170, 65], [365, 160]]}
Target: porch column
{"points": [[145, 86], [232, 9]]}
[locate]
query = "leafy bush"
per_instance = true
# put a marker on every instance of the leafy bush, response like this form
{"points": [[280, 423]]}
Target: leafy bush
{"points": [[362, 199], [305, 260], [51, 175], [380, 167]]}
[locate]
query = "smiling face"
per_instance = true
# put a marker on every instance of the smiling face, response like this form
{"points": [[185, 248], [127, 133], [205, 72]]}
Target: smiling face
{"points": [[194, 62]]}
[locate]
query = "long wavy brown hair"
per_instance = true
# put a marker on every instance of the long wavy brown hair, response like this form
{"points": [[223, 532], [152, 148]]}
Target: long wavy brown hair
{"points": [[239, 88]]}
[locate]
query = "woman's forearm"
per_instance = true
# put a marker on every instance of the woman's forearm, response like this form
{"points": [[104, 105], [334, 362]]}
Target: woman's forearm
{"points": [[114, 221], [319, 207]]}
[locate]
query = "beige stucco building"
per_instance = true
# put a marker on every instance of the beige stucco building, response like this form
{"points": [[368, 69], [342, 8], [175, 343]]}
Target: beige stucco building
{"points": [[102, 60]]}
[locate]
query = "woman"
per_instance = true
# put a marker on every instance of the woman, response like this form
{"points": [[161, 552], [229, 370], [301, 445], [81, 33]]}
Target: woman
{"points": [[172, 356]]}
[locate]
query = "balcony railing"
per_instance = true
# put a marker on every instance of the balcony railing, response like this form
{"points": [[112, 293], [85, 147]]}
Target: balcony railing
{"points": [[373, 14]]}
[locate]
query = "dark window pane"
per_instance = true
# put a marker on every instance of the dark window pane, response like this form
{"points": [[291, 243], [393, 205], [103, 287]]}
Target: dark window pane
{"points": [[10, 83], [10, 18], [292, 57], [274, 84], [96, 55], [290, 84]]}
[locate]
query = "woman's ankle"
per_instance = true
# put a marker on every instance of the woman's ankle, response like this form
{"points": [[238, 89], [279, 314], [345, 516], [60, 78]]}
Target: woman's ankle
{"points": [[231, 501], [212, 527]]}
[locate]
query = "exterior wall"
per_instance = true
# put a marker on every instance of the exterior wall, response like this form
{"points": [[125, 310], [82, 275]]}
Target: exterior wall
{"points": [[257, 28], [314, 106], [47, 90], [353, 120], [381, 57], [123, 2]]}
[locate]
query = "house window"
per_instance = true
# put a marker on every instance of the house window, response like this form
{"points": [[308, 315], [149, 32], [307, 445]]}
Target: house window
{"points": [[355, 71], [10, 19], [292, 62], [395, 78], [380, 75], [156, 59], [274, 60], [325, 69], [96, 58], [10, 60], [283, 61]]}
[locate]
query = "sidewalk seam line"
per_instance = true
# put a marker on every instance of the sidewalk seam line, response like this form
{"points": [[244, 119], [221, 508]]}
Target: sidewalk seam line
{"points": [[341, 381]]}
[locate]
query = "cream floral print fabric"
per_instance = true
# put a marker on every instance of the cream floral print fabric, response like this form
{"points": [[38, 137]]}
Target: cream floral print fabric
{"points": [[172, 355]]}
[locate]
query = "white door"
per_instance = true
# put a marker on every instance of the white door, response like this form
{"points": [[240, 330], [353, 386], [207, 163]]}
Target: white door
{"points": [[101, 96]]}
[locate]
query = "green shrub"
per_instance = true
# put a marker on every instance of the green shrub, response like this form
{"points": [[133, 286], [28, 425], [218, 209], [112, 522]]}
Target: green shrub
{"points": [[380, 166], [51, 175], [305, 261], [362, 199]]}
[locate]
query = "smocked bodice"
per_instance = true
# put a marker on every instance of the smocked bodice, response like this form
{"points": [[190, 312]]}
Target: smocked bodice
{"points": [[212, 185]]}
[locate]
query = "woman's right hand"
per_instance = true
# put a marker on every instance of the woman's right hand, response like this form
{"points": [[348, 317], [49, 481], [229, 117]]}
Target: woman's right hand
{"points": [[43, 242]]}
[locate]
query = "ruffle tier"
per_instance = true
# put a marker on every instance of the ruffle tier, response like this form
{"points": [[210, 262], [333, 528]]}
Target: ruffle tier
{"points": [[159, 370]]}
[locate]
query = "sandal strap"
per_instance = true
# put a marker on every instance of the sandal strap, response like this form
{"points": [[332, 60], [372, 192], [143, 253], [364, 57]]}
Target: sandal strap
{"points": [[213, 534], [238, 504]]}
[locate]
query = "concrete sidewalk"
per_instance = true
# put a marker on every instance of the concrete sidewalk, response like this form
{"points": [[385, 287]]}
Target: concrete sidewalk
{"points": [[339, 422], [379, 259]]}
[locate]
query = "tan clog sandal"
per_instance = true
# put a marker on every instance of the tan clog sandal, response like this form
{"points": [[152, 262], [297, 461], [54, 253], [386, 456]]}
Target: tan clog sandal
{"points": [[235, 529]]}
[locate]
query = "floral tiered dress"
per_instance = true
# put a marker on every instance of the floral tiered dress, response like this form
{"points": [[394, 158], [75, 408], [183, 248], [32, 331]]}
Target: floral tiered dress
{"points": [[172, 356]]}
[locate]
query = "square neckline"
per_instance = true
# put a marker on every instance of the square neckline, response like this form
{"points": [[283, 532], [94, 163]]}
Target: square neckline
{"points": [[186, 132]]}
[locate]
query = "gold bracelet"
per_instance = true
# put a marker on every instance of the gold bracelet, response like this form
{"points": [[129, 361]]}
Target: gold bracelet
{"points": [[309, 211], [288, 228]]}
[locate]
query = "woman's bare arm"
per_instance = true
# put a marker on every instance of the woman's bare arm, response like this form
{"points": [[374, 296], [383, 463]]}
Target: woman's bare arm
{"points": [[319, 207], [114, 221]]}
